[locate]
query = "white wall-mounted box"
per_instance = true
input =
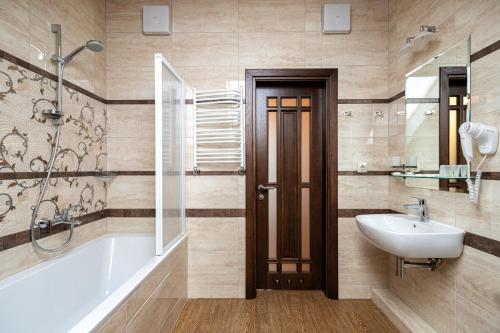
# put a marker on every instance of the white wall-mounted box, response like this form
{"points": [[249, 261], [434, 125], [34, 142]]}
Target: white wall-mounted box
{"points": [[156, 20], [336, 18]]}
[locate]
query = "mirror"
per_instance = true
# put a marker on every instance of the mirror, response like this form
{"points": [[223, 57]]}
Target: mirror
{"points": [[437, 98]]}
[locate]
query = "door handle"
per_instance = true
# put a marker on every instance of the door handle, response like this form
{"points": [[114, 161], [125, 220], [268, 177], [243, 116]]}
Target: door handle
{"points": [[261, 187]]}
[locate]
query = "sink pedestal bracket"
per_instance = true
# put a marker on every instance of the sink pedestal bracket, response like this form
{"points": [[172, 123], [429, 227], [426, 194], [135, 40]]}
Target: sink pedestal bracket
{"points": [[402, 264]]}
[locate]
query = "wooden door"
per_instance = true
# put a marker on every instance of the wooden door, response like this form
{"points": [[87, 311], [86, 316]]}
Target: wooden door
{"points": [[290, 187]]}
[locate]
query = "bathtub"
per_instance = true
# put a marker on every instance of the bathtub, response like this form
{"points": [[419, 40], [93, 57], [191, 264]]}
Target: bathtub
{"points": [[79, 290]]}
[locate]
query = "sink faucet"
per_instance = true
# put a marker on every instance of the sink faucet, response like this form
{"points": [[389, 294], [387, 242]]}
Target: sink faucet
{"points": [[421, 208]]}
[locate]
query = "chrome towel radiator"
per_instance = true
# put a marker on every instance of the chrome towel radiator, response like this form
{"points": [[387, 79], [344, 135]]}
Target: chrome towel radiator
{"points": [[218, 128]]}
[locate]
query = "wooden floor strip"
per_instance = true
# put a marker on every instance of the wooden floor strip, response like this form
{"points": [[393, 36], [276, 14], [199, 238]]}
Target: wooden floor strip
{"points": [[282, 311]]}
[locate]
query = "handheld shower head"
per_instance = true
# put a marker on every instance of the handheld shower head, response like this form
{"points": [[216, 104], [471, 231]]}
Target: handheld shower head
{"points": [[92, 45]]}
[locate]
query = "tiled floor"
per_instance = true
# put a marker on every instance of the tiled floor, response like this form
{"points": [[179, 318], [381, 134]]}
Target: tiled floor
{"points": [[282, 311]]}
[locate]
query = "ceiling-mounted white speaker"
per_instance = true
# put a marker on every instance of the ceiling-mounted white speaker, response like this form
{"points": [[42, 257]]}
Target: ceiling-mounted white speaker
{"points": [[336, 18], [156, 20]]}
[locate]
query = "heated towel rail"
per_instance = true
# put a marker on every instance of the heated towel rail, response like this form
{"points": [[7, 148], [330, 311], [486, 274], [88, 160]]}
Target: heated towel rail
{"points": [[218, 127]]}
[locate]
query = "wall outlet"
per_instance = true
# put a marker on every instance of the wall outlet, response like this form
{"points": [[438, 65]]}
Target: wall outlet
{"points": [[362, 167]]}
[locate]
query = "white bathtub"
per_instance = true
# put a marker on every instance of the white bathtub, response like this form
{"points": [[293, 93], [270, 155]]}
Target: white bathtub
{"points": [[79, 289]]}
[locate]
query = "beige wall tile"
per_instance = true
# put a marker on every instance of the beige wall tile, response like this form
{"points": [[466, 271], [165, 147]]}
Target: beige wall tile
{"points": [[478, 279], [213, 192], [373, 151], [131, 154], [131, 192], [363, 192], [362, 266], [204, 49], [473, 318], [363, 122], [14, 28], [271, 49], [214, 234], [131, 225], [365, 48], [205, 15], [372, 85], [130, 121], [277, 15]]}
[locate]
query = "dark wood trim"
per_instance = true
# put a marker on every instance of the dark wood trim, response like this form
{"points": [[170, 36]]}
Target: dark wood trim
{"points": [[368, 173], [330, 77], [215, 212], [481, 243], [421, 100], [127, 212], [129, 101], [485, 51], [362, 101], [396, 97], [71, 174], [353, 212]]}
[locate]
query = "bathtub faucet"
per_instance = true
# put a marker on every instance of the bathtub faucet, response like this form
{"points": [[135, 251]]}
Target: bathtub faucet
{"points": [[65, 218]]}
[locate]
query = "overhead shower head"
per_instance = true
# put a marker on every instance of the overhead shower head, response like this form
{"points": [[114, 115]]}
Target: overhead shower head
{"points": [[92, 45]]}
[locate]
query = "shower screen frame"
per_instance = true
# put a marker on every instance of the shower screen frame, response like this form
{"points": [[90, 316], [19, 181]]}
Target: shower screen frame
{"points": [[163, 245]]}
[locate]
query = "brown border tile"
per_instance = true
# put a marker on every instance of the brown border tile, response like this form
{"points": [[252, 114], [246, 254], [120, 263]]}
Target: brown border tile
{"points": [[396, 97], [218, 212], [348, 212], [362, 100], [485, 51], [482, 243], [368, 173], [34, 175]]}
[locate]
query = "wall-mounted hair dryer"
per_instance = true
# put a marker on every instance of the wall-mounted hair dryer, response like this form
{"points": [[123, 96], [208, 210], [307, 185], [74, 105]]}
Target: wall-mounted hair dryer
{"points": [[486, 137]]}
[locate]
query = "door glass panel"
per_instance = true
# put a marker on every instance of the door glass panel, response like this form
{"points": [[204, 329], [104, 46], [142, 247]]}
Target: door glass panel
{"points": [[306, 268], [305, 215], [305, 139], [272, 102], [272, 221], [453, 137], [289, 268], [288, 102], [273, 267], [272, 147], [305, 102]]}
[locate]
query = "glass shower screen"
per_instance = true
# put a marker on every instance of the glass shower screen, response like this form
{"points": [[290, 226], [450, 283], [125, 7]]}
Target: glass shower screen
{"points": [[169, 142]]}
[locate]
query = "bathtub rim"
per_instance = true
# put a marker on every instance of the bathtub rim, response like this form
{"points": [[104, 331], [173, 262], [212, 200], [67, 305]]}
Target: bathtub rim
{"points": [[106, 308]]}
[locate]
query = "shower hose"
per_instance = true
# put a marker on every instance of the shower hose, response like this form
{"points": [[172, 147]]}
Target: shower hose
{"points": [[36, 208]]}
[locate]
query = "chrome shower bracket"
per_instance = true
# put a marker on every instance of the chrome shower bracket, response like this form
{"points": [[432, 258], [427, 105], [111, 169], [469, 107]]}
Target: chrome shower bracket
{"points": [[402, 264], [57, 58]]}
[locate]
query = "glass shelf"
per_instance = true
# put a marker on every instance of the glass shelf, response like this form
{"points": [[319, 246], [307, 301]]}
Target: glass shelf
{"points": [[423, 175]]}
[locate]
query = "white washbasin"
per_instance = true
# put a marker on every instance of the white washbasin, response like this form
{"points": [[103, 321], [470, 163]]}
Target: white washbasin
{"points": [[405, 236]]}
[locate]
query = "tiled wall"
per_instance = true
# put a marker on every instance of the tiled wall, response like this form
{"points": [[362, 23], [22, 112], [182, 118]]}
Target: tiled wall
{"points": [[213, 42], [463, 295], [25, 136]]}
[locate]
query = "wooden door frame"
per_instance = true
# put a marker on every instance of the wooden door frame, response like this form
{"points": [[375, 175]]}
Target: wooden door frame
{"points": [[330, 77]]}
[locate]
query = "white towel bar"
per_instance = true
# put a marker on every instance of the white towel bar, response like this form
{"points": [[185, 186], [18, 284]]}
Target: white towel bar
{"points": [[218, 125]]}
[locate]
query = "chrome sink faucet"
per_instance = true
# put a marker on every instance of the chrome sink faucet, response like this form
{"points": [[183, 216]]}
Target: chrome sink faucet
{"points": [[65, 218], [421, 208]]}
